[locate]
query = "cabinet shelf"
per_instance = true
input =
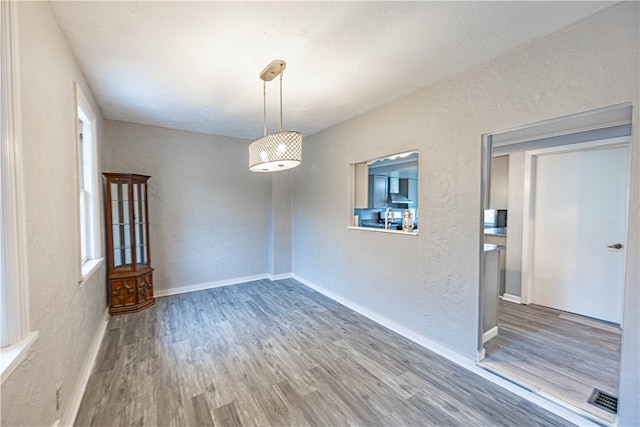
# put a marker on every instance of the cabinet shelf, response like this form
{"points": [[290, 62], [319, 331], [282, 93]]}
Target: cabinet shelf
{"points": [[129, 279]]}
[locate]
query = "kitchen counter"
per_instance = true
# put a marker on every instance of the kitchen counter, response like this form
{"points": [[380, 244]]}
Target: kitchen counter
{"points": [[396, 225], [373, 224], [492, 248], [383, 230], [495, 231]]}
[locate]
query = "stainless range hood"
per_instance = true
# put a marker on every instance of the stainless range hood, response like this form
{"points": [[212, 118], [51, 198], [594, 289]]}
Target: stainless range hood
{"points": [[398, 198], [395, 196]]}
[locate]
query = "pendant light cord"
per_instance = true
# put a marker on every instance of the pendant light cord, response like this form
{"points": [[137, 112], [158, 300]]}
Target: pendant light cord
{"points": [[264, 103], [281, 100]]}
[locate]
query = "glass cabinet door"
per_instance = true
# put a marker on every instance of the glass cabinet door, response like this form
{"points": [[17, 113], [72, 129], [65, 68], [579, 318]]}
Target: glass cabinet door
{"points": [[121, 225], [140, 223]]}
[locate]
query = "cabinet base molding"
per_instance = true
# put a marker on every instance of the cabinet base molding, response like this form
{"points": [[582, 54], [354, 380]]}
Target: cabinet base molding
{"points": [[131, 292], [134, 309]]}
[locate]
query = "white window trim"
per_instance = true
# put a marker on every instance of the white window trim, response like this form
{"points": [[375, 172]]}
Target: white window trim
{"points": [[15, 295], [14, 354], [89, 266]]}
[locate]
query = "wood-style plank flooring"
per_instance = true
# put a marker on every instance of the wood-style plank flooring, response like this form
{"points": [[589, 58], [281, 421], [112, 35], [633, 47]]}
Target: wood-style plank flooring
{"points": [[279, 354], [564, 355]]}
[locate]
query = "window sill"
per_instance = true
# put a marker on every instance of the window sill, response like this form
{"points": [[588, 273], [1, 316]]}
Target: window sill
{"points": [[383, 230], [12, 355], [89, 268]]}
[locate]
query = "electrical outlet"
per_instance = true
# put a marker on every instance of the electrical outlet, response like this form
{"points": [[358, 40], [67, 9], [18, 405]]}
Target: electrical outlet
{"points": [[58, 396]]}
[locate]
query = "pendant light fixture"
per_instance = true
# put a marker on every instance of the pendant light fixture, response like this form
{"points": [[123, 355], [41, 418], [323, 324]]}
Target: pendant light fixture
{"points": [[276, 151]]}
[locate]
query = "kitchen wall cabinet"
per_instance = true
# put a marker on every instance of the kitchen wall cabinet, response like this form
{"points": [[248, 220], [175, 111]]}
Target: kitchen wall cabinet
{"points": [[129, 277], [377, 191]]}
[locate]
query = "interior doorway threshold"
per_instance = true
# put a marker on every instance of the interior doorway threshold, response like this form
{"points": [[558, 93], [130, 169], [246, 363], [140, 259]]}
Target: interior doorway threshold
{"points": [[609, 422]]}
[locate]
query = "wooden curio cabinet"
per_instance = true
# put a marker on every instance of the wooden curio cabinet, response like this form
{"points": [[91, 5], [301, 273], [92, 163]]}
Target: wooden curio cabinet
{"points": [[129, 278]]}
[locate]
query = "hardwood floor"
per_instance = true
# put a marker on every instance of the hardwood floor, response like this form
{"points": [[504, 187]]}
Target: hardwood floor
{"points": [[277, 353], [562, 354]]}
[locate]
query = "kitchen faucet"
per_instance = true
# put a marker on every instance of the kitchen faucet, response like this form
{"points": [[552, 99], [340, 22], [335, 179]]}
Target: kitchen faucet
{"points": [[386, 217]]}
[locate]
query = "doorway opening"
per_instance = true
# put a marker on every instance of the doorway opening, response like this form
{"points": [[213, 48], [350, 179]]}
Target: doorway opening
{"points": [[552, 334]]}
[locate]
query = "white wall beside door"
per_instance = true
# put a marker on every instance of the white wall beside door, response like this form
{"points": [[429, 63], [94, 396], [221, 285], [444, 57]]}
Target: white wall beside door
{"points": [[498, 198]]}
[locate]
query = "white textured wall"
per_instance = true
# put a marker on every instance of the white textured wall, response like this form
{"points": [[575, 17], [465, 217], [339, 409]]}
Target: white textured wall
{"points": [[67, 316], [499, 182], [208, 213], [429, 283], [280, 223]]}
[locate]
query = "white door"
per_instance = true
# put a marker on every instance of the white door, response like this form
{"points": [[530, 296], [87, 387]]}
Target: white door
{"points": [[579, 210]]}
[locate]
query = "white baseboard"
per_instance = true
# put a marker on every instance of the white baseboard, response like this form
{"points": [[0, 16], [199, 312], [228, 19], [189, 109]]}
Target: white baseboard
{"points": [[219, 283], [511, 298], [455, 357], [210, 285], [481, 355], [489, 334], [280, 276], [69, 417], [434, 346]]}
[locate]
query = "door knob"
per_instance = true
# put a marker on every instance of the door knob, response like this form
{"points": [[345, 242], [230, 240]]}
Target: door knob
{"points": [[616, 246]]}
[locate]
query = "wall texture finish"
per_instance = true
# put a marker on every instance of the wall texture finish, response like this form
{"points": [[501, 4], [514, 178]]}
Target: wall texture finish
{"points": [[280, 223], [66, 315], [208, 213], [499, 182], [429, 283]]}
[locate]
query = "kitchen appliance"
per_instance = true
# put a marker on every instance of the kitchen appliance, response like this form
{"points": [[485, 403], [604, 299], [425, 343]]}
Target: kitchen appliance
{"points": [[395, 196], [501, 218], [495, 218], [490, 218]]}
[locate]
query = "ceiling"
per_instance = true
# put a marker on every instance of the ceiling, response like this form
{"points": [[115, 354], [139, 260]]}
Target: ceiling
{"points": [[195, 65]]}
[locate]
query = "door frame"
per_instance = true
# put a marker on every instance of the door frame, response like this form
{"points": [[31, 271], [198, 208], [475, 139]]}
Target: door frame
{"points": [[528, 223], [599, 118]]}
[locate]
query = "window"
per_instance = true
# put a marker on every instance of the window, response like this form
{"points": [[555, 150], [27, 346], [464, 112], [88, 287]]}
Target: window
{"points": [[88, 195], [15, 335], [385, 196]]}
